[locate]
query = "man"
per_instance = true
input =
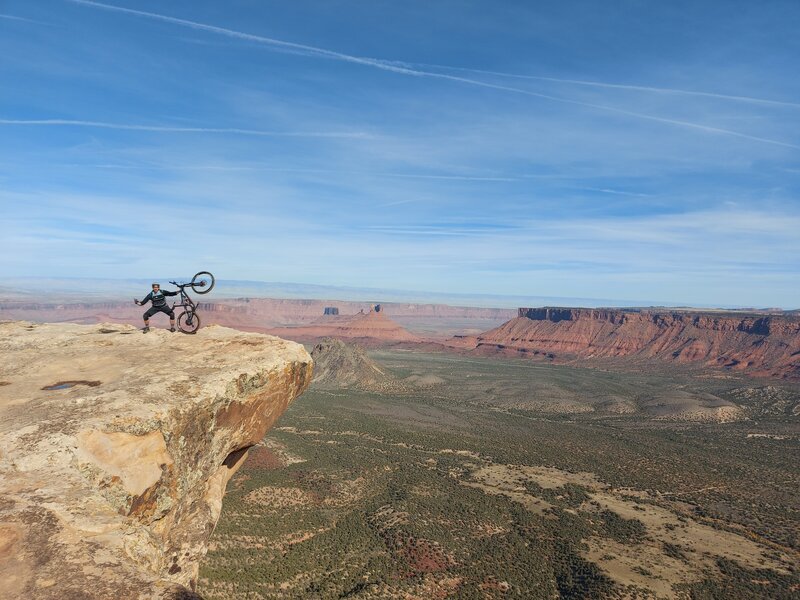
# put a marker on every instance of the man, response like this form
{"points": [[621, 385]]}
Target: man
{"points": [[159, 301]]}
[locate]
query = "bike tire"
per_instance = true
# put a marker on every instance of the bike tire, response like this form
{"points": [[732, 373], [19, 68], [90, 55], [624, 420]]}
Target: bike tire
{"points": [[188, 322], [202, 282]]}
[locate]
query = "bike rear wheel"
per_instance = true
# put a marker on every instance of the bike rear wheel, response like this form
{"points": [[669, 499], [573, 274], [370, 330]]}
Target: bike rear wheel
{"points": [[188, 322], [202, 282]]}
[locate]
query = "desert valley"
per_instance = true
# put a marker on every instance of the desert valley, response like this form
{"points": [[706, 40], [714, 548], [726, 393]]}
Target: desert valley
{"points": [[541, 452]]}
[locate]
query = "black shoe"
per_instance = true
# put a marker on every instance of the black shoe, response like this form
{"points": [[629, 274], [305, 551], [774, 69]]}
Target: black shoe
{"points": [[145, 329], [172, 329]]}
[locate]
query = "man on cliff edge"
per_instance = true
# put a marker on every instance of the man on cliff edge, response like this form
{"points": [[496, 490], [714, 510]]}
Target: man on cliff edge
{"points": [[159, 304]]}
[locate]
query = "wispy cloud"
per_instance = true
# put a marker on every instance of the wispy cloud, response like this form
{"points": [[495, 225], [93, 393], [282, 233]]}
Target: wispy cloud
{"points": [[662, 256], [397, 67], [179, 129], [422, 230], [448, 177]]}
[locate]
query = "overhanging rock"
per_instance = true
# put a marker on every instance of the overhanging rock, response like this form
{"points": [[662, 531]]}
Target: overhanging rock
{"points": [[116, 447]]}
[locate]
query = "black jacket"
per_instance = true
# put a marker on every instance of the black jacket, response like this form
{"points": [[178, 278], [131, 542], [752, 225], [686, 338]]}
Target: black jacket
{"points": [[158, 299]]}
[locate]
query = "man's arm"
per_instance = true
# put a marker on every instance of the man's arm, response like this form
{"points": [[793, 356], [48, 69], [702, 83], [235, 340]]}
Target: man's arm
{"points": [[146, 299], [166, 293]]}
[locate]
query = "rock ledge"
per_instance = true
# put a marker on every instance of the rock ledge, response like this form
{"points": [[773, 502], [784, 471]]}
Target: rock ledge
{"points": [[116, 447]]}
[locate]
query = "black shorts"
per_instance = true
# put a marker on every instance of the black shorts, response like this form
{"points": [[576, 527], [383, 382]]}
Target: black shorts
{"points": [[154, 309]]}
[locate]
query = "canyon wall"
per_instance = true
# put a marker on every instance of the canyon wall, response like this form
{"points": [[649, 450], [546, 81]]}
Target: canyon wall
{"points": [[116, 447], [767, 345]]}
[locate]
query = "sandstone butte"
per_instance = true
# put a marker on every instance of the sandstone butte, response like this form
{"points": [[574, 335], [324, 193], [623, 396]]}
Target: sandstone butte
{"points": [[363, 327], [761, 345], [111, 483]]}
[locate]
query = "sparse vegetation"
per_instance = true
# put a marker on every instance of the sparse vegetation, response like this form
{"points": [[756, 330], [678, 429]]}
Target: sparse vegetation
{"points": [[391, 499], [626, 531], [730, 580]]}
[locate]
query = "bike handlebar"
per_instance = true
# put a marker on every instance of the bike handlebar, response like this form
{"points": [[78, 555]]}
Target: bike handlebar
{"points": [[183, 285]]}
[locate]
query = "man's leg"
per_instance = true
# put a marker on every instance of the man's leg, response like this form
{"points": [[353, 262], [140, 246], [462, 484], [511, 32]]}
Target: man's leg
{"points": [[146, 316]]}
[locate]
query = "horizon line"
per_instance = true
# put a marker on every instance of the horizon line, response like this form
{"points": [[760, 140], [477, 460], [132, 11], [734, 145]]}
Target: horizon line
{"points": [[617, 303]]}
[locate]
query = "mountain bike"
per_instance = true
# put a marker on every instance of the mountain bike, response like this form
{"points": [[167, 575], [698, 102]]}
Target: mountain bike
{"points": [[201, 283]]}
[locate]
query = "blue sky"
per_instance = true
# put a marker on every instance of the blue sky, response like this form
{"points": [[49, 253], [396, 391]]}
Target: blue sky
{"points": [[630, 150]]}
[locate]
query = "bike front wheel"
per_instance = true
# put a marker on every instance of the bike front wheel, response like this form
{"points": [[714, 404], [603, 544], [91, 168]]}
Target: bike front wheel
{"points": [[188, 322], [202, 282]]}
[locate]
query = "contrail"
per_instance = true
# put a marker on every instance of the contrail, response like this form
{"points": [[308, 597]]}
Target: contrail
{"points": [[256, 168], [603, 84], [174, 129], [291, 46], [616, 192], [15, 18], [405, 70]]}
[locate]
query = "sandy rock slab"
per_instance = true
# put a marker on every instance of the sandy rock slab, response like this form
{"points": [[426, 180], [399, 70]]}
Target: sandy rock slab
{"points": [[116, 447]]}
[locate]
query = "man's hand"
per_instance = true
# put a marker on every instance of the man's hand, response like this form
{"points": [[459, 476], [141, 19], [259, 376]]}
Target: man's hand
{"points": [[136, 301]]}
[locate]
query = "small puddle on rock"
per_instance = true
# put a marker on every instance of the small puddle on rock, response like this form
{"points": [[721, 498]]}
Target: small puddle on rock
{"points": [[63, 385]]}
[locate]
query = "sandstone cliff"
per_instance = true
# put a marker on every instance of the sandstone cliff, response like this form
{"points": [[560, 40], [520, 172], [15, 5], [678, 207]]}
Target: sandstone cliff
{"points": [[116, 447], [767, 345]]}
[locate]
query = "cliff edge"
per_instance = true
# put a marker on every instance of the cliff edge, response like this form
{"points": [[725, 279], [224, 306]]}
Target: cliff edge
{"points": [[116, 447]]}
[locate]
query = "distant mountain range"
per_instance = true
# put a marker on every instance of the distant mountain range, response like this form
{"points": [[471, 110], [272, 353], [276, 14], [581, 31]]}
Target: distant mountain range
{"points": [[47, 289]]}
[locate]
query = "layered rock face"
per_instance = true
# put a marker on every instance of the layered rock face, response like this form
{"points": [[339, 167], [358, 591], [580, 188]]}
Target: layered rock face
{"points": [[116, 447], [761, 344]]}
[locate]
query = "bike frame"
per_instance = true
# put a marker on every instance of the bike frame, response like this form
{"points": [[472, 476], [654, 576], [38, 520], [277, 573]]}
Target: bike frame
{"points": [[190, 308], [189, 320], [186, 301]]}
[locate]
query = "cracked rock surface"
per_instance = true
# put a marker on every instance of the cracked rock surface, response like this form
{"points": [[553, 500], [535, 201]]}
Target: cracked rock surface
{"points": [[116, 447]]}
